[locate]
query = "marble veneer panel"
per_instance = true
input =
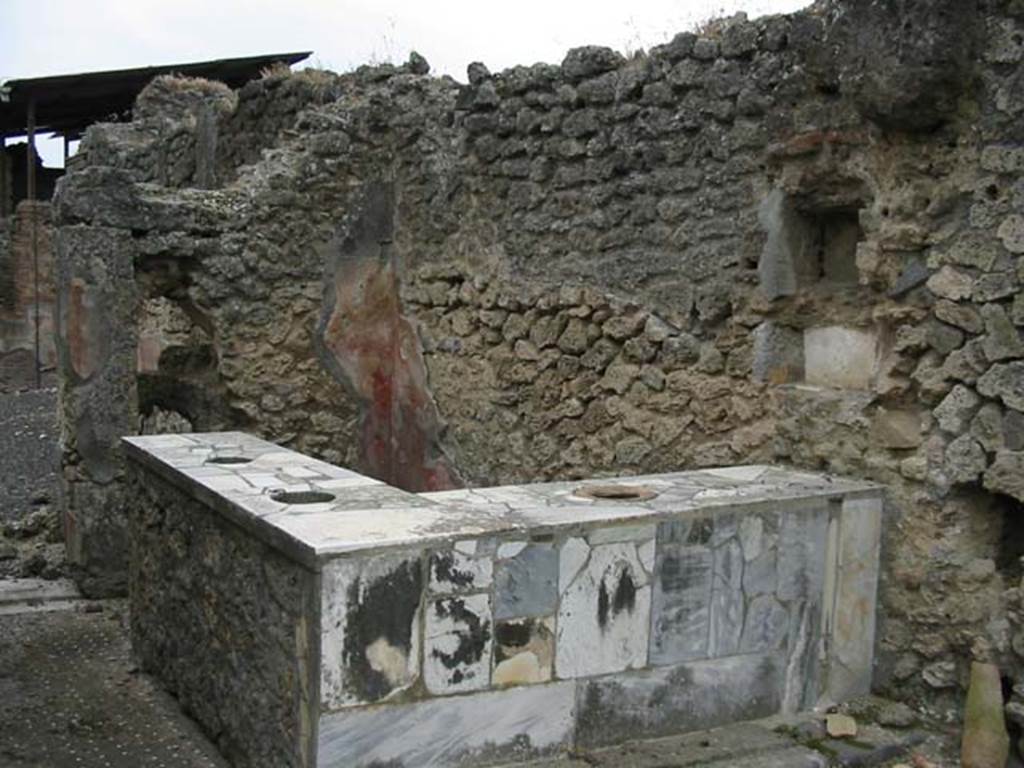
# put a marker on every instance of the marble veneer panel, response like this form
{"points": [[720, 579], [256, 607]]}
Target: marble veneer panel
{"points": [[605, 607], [687, 697], [370, 641], [479, 729], [850, 621]]}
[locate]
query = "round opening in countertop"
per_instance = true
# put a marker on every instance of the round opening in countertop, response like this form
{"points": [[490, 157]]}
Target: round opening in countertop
{"points": [[302, 497], [612, 492], [228, 460]]}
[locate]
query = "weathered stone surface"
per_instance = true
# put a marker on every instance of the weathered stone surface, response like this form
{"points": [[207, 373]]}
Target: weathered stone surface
{"points": [[466, 567], [193, 609], [839, 357], [618, 707], [681, 601], [604, 613], [1011, 232], [896, 429], [595, 192], [955, 412], [457, 640], [1006, 382], [904, 66], [1002, 340], [1006, 475], [370, 614], [778, 354], [524, 651], [965, 459], [985, 741], [526, 583], [96, 351], [853, 617], [951, 283], [481, 729]]}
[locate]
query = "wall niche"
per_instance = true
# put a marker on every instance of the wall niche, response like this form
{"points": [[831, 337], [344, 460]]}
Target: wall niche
{"points": [[807, 247]]}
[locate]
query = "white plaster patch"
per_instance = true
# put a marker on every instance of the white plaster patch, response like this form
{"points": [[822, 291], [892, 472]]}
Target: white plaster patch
{"points": [[839, 357], [604, 616]]}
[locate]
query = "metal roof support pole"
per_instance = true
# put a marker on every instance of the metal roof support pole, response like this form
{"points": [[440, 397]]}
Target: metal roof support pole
{"points": [[31, 194]]}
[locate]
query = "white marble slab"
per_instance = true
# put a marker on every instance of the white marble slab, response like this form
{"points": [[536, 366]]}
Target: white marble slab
{"points": [[518, 722]]}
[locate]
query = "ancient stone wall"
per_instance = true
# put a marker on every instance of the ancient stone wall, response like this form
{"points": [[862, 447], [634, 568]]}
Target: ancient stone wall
{"points": [[796, 239], [224, 621]]}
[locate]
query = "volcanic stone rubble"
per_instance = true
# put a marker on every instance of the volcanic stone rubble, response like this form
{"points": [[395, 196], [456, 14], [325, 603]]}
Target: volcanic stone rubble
{"points": [[792, 240]]}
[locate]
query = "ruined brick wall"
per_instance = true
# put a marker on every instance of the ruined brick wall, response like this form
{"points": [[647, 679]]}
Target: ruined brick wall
{"points": [[796, 239], [23, 236]]}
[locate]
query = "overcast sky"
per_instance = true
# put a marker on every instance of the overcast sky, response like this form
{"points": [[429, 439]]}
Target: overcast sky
{"points": [[47, 37]]}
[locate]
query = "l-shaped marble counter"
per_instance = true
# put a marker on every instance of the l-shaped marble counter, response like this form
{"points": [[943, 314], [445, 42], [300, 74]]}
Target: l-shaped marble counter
{"points": [[307, 616]]}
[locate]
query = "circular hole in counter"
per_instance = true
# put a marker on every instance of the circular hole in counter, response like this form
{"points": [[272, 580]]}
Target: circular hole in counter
{"points": [[228, 460], [612, 492], [302, 497]]}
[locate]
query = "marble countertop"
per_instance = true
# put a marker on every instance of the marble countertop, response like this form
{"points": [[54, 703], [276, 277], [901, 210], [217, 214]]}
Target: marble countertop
{"points": [[240, 475]]}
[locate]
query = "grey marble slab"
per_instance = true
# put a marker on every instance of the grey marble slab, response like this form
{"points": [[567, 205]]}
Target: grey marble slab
{"points": [[689, 697]]}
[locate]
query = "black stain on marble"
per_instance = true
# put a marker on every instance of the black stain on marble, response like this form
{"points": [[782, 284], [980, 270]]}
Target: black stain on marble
{"points": [[700, 531], [621, 599], [445, 572], [384, 608], [473, 638]]}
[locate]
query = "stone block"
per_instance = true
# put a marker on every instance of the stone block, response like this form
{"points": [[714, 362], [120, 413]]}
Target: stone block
{"points": [[840, 357], [681, 601], [370, 613], [691, 696], [778, 354], [524, 651], [479, 729], [896, 429], [1006, 475], [852, 618], [458, 637], [467, 567], [727, 599], [526, 582], [604, 613]]}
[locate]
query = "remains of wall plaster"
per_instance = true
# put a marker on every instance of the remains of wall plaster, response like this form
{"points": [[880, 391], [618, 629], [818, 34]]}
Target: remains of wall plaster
{"points": [[754, 246], [19, 251]]}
